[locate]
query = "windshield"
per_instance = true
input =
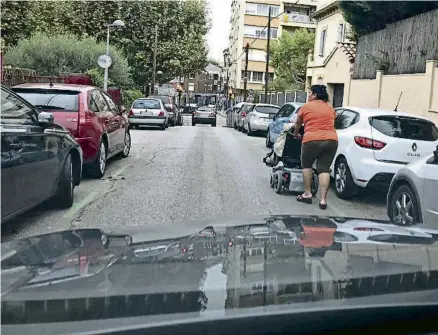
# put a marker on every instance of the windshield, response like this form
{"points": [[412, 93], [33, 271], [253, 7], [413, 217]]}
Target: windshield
{"points": [[65, 100], [146, 103], [184, 161], [267, 109]]}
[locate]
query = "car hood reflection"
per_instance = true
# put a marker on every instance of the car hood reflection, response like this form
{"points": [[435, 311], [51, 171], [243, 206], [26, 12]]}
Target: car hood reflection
{"points": [[212, 267]]}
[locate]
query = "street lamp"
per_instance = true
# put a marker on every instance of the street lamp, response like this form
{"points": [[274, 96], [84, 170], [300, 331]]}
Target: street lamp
{"points": [[115, 24]]}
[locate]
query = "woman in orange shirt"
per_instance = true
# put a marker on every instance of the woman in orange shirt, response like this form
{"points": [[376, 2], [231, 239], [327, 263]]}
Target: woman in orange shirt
{"points": [[320, 142]]}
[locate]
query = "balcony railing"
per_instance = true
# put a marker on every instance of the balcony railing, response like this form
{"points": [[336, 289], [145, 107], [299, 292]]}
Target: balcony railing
{"points": [[295, 17]]}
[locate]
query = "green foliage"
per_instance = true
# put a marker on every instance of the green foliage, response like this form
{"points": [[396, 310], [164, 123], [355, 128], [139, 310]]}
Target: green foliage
{"points": [[369, 16], [52, 55], [289, 58], [129, 96], [97, 76], [16, 20]]}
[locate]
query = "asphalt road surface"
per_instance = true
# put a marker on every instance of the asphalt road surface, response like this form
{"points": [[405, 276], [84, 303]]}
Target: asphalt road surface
{"points": [[183, 173]]}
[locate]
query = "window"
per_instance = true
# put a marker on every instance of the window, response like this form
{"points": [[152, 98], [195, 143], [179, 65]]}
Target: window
{"points": [[147, 104], [341, 29], [267, 109], [405, 127], [100, 101], [65, 100], [261, 9], [345, 119], [14, 109], [256, 31], [257, 55], [93, 106], [257, 76], [322, 42], [287, 111], [271, 76]]}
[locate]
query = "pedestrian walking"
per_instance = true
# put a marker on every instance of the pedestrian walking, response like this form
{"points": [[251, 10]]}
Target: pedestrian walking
{"points": [[320, 142]]}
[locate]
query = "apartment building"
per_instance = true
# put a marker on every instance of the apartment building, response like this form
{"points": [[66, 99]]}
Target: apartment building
{"points": [[249, 19]]}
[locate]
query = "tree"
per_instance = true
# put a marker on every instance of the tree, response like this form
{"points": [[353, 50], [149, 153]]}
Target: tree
{"points": [[288, 56], [17, 21], [368, 16], [66, 53]]}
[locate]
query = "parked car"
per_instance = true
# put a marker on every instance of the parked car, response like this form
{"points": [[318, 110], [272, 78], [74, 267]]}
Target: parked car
{"points": [[241, 114], [174, 115], [148, 112], [374, 144], [89, 114], [287, 113], [235, 110], [40, 160], [204, 115], [259, 118], [411, 198]]}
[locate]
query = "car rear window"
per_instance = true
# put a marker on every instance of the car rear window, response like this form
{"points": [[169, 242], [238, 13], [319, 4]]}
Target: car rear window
{"points": [[164, 99], [405, 127], [64, 100], [267, 109], [149, 104]]}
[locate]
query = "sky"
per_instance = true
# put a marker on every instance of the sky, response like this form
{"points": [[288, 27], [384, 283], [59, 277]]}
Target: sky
{"points": [[217, 38]]}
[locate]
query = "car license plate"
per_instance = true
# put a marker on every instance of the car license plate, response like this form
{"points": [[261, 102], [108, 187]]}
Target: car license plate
{"points": [[146, 113]]}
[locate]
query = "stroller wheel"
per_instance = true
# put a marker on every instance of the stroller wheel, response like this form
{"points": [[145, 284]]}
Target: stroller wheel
{"points": [[278, 182], [272, 181], [315, 184]]}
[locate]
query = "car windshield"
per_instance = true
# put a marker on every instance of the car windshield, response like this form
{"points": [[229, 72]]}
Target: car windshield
{"points": [[146, 103], [166, 163], [63, 99], [267, 109]]}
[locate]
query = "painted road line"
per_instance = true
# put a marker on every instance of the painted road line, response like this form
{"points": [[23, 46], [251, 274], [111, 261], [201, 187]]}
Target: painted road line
{"points": [[81, 204]]}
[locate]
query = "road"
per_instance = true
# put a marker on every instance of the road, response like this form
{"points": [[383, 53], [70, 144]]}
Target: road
{"points": [[183, 173]]}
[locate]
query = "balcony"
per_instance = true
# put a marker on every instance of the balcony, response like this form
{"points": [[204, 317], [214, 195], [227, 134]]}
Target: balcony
{"points": [[295, 19]]}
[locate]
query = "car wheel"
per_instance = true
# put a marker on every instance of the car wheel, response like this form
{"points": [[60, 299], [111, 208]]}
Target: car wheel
{"points": [[268, 140], [65, 193], [127, 145], [99, 165], [404, 209], [344, 184], [278, 182], [271, 182]]}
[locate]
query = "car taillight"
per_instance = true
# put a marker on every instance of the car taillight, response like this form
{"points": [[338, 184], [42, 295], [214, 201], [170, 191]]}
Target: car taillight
{"points": [[85, 118], [131, 112], [161, 113], [369, 143], [367, 229]]}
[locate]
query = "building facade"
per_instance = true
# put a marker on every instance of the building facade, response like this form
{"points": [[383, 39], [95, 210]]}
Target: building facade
{"points": [[249, 19]]}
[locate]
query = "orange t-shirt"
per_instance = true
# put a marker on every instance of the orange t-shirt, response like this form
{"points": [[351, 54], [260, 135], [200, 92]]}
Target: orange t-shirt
{"points": [[319, 121]]}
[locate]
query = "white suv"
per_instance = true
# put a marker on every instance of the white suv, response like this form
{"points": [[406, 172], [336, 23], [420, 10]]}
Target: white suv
{"points": [[374, 144]]}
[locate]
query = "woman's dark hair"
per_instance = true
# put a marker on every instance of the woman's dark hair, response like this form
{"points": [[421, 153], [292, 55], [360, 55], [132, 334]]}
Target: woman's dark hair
{"points": [[320, 91]]}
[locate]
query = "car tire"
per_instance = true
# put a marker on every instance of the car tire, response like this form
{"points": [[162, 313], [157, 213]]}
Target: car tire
{"points": [[344, 185], [271, 182], [97, 168], [126, 145], [268, 141], [398, 212], [64, 196]]}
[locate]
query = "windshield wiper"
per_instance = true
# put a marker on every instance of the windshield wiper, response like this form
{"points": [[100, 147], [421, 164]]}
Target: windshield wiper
{"points": [[48, 107]]}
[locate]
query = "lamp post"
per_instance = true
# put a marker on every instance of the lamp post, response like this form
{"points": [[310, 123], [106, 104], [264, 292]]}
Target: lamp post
{"points": [[116, 24]]}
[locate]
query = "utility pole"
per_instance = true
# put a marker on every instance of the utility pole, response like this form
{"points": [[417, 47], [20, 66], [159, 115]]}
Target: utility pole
{"points": [[245, 93], [152, 89], [267, 56]]}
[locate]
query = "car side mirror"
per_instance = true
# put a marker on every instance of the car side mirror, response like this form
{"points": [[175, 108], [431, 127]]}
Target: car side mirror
{"points": [[45, 119]]}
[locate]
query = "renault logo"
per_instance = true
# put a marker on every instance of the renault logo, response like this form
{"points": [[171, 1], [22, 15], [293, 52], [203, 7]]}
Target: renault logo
{"points": [[414, 147]]}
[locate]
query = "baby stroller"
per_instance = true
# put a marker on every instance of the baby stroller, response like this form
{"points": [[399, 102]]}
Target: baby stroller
{"points": [[286, 171]]}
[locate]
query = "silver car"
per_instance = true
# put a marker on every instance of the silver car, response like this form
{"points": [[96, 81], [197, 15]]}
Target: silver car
{"points": [[411, 198], [148, 112], [204, 115], [259, 118], [242, 113]]}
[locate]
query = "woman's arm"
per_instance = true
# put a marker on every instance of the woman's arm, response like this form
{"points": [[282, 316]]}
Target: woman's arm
{"points": [[298, 124]]}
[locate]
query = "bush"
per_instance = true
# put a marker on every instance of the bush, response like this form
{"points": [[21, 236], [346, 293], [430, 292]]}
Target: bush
{"points": [[129, 96], [53, 55]]}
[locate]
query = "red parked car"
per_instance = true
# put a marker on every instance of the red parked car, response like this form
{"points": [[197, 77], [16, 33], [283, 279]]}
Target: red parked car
{"points": [[89, 114]]}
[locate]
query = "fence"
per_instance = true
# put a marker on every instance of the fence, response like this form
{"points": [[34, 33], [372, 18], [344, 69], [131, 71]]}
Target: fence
{"points": [[277, 98], [402, 47]]}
